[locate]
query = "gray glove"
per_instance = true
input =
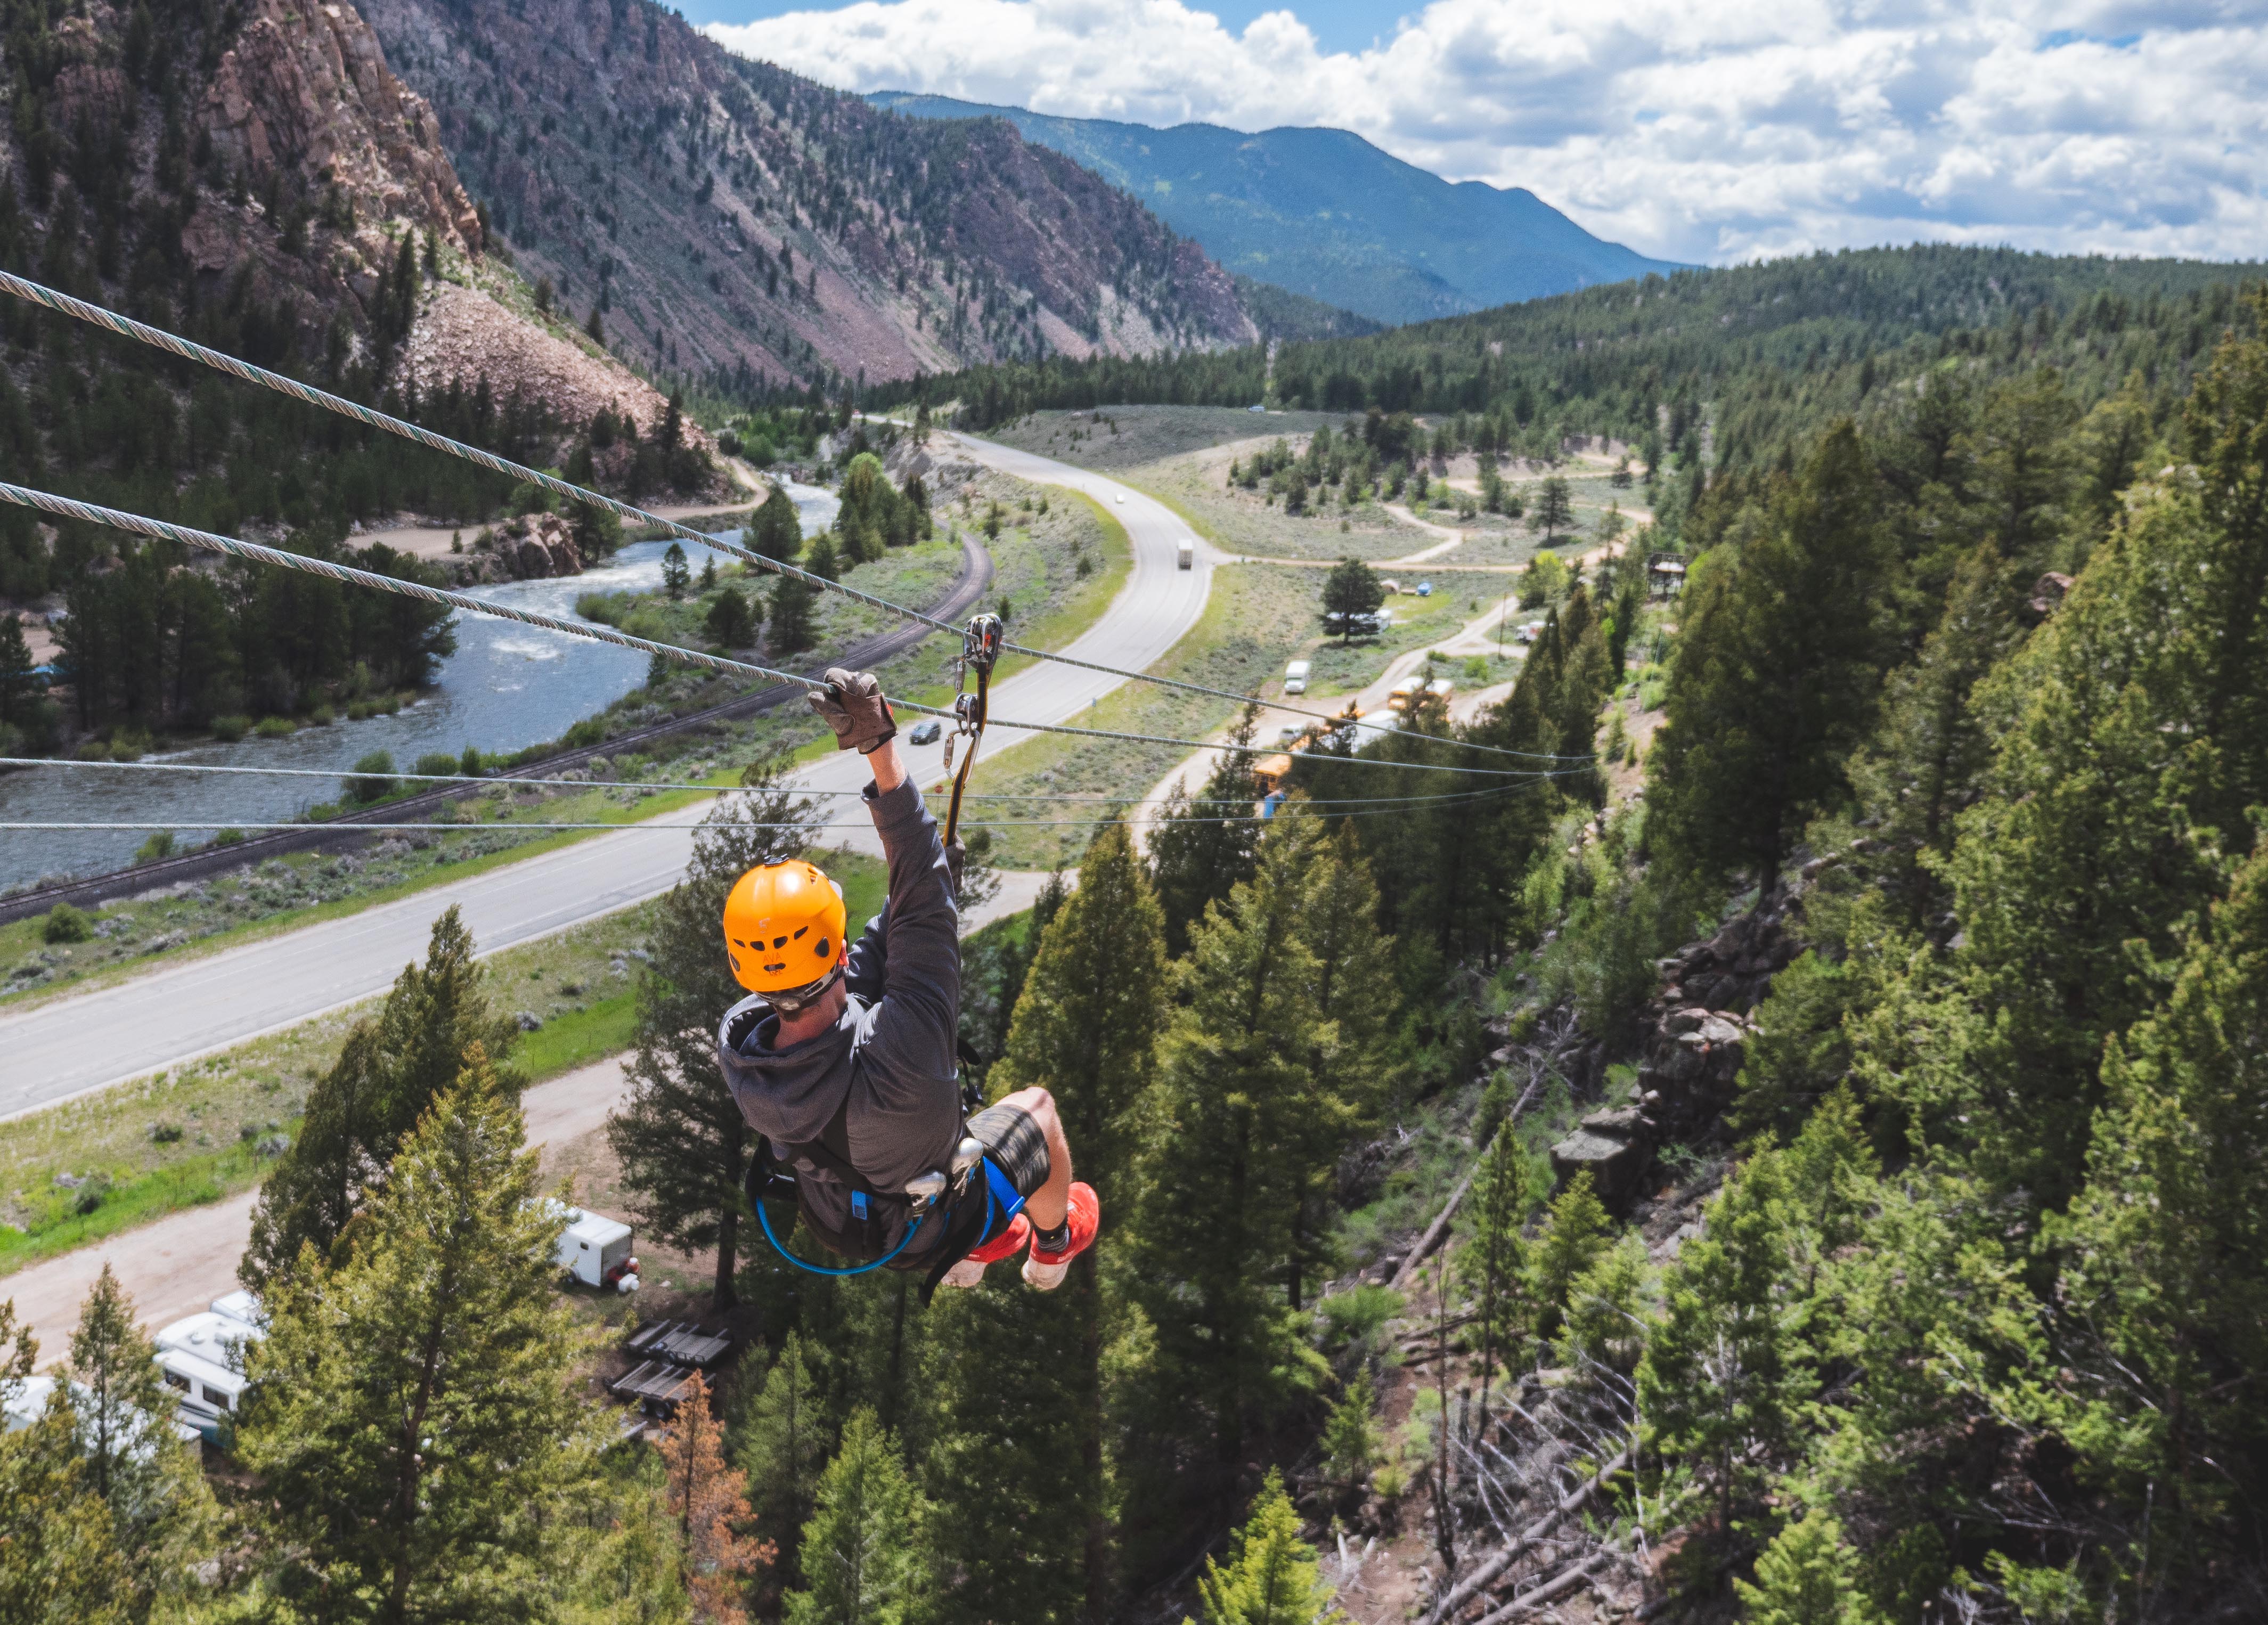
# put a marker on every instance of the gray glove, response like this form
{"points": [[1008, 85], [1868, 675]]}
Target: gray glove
{"points": [[853, 706]]}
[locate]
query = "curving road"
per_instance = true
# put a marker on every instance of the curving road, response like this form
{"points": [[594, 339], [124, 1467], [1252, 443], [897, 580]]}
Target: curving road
{"points": [[98, 1038]]}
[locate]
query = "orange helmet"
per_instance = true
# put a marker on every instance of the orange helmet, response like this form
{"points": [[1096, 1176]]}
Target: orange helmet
{"points": [[783, 927]]}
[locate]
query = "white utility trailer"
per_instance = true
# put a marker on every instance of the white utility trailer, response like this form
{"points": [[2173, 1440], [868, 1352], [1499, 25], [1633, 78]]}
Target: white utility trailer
{"points": [[595, 1250]]}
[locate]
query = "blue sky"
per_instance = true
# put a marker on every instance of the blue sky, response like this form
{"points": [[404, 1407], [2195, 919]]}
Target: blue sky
{"points": [[1711, 130], [1338, 25]]}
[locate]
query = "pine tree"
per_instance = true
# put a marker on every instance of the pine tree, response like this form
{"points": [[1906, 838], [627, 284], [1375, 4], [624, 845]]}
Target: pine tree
{"points": [[783, 1436], [731, 622], [161, 1512], [2162, 1328], [1351, 589], [1808, 1576], [676, 577], [776, 529], [1349, 1437], [859, 1567], [389, 1072], [1016, 1526], [1570, 1243], [1087, 1026], [1724, 1375], [416, 1405], [709, 1499], [1202, 847], [1493, 1264], [1228, 1172], [1554, 507], [791, 616], [1345, 1056], [59, 1554], [1776, 672], [1927, 759], [680, 1137], [1273, 1577], [17, 685], [825, 561]]}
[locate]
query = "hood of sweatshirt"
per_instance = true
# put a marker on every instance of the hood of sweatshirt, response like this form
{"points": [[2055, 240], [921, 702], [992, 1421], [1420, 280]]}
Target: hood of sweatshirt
{"points": [[789, 1095]]}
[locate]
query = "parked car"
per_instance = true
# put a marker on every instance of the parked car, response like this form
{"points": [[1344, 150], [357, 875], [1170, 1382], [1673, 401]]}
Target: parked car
{"points": [[1295, 677], [926, 731], [1185, 552], [1424, 589]]}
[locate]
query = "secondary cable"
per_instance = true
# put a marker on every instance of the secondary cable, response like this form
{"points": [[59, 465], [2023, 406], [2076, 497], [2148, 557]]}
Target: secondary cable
{"points": [[188, 349], [91, 513]]}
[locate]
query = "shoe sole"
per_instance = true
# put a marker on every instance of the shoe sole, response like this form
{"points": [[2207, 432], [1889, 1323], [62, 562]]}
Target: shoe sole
{"points": [[965, 1273], [1044, 1277]]}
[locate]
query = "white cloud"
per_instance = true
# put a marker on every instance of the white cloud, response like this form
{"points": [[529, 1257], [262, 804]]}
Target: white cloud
{"points": [[1712, 130]]}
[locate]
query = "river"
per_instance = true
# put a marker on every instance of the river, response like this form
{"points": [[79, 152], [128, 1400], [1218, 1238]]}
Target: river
{"points": [[506, 687]]}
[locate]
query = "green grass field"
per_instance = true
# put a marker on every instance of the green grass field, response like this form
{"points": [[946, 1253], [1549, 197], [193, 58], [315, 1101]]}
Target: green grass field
{"points": [[193, 1134]]}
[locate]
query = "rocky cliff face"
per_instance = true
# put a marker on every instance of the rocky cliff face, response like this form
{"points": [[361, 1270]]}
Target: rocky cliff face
{"points": [[1698, 1026], [732, 222], [307, 92]]}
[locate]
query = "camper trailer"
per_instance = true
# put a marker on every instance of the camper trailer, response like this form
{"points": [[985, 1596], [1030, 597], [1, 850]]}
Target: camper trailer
{"points": [[595, 1251]]}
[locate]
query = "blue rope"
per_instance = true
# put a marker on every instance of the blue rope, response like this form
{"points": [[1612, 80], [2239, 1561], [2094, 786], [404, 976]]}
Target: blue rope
{"points": [[821, 1269]]}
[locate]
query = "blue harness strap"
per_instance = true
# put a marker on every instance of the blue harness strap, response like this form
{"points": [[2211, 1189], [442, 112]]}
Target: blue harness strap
{"points": [[1002, 1203], [912, 1231]]}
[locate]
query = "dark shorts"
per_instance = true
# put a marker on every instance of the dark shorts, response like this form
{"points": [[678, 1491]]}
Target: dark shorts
{"points": [[1013, 1144]]}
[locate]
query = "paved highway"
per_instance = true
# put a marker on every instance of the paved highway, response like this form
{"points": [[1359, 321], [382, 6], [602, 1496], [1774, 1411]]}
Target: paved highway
{"points": [[141, 1026]]}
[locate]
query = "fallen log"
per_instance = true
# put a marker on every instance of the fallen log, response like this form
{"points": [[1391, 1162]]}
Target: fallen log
{"points": [[1550, 1590], [1479, 1580]]}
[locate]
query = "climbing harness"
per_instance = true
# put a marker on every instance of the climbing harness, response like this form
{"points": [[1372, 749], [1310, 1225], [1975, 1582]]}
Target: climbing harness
{"points": [[980, 649], [925, 1193]]}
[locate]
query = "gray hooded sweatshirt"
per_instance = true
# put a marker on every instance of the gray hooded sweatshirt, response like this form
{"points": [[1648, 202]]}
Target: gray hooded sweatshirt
{"points": [[891, 1055]]}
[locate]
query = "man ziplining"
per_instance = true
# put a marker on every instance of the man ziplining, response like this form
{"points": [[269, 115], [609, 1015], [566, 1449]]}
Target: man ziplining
{"points": [[844, 1058]]}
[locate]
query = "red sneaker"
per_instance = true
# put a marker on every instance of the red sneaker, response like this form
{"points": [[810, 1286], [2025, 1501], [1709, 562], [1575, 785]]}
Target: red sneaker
{"points": [[971, 1270], [1043, 1271]]}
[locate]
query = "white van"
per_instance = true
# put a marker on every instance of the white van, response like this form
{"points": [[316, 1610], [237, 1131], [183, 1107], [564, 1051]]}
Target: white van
{"points": [[1295, 677]]}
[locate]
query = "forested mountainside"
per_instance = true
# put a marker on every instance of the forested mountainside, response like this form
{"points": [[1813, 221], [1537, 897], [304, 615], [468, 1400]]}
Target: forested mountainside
{"points": [[1905, 1257], [740, 227], [254, 177], [1745, 359], [1326, 214]]}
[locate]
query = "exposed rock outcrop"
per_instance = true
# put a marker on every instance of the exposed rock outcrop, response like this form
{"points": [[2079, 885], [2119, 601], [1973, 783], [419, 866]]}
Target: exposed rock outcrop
{"points": [[529, 547], [1698, 1028], [306, 89]]}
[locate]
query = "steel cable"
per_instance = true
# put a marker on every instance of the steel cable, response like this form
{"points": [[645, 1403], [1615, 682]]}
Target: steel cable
{"points": [[67, 507], [188, 349]]}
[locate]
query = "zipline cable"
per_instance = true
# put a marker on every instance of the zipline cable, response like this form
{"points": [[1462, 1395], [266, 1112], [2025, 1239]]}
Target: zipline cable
{"points": [[188, 349], [667, 785], [70, 508]]}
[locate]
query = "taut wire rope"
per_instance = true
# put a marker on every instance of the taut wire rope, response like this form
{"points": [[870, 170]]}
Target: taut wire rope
{"points": [[71, 508], [188, 349]]}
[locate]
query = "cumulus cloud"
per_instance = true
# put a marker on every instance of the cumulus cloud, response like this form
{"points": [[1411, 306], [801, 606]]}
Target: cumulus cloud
{"points": [[1696, 129]]}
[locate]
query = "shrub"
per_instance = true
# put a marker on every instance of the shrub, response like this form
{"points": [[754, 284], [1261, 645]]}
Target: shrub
{"points": [[229, 837], [164, 1133], [129, 744], [470, 763], [590, 730], [91, 750], [435, 764], [275, 728], [377, 762], [66, 924], [90, 1192], [322, 716], [159, 845]]}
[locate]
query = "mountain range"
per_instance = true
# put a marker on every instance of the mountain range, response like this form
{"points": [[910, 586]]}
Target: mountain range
{"points": [[1324, 213]]}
